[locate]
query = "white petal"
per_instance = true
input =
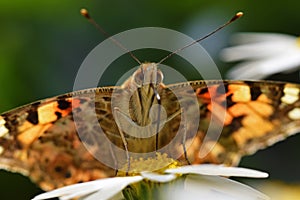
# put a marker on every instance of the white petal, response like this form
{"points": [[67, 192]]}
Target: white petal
{"points": [[158, 177], [262, 68], [258, 50], [88, 187], [255, 51], [246, 70], [219, 170], [255, 45], [79, 193], [114, 185], [264, 54], [213, 187], [244, 38], [112, 189]]}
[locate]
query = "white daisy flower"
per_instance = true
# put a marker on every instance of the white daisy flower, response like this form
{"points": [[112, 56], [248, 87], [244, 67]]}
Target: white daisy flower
{"points": [[263, 54], [187, 182]]}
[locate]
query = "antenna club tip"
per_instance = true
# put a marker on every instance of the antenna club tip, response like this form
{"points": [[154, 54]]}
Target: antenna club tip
{"points": [[84, 13], [239, 14], [236, 16]]}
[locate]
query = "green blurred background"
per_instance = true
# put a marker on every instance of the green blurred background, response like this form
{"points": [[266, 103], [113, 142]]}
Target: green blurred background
{"points": [[42, 44]]}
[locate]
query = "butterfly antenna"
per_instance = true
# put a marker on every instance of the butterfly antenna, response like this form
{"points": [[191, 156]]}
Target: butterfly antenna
{"points": [[235, 17], [86, 14]]}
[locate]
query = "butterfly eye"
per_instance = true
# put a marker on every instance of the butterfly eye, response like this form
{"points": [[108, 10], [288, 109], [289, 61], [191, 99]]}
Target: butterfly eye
{"points": [[159, 77], [147, 77], [139, 77]]}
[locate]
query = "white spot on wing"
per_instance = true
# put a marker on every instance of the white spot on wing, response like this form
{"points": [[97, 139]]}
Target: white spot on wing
{"points": [[294, 114], [2, 121], [291, 95], [3, 129]]}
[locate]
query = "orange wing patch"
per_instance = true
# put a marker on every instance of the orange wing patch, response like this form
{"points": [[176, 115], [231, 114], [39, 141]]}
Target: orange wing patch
{"points": [[31, 134], [40, 119]]}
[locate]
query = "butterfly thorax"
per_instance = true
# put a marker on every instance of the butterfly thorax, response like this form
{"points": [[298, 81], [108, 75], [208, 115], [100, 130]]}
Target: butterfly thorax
{"points": [[143, 89], [141, 110]]}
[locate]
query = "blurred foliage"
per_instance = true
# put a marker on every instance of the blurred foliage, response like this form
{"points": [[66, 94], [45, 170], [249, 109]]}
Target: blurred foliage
{"points": [[42, 44]]}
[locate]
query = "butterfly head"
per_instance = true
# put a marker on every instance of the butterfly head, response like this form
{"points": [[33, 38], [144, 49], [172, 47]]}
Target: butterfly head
{"points": [[147, 74]]}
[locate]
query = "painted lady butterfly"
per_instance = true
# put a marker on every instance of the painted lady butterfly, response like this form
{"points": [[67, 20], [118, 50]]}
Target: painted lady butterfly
{"points": [[44, 140], [41, 140]]}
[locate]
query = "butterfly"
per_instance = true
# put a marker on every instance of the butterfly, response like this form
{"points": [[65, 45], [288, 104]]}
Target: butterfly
{"points": [[90, 134]]}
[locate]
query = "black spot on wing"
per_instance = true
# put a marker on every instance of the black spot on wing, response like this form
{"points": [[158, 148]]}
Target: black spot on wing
{"points": [[255, 93], [63, 104], [33, 117], [107, 98], [58, 114], [35, 104], [228, 102], [203, 91], [68, 174]]}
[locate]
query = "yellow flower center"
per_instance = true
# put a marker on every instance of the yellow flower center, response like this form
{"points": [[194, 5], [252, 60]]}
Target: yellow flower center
{"points": [[158, 164]]}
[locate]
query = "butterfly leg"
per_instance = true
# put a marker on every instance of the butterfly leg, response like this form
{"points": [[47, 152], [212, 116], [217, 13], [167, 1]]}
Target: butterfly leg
{"points": [[117, 110], [184, 138]]}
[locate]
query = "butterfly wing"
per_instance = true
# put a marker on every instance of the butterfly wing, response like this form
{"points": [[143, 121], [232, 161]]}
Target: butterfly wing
{"points": [[40, 140], [253, 116], [229, 119]]}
